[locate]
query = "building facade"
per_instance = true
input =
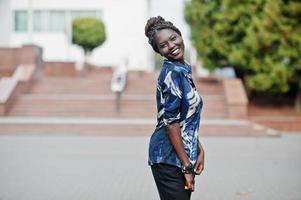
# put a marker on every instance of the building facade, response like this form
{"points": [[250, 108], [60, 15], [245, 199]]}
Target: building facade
{"points": [[48, 24]]}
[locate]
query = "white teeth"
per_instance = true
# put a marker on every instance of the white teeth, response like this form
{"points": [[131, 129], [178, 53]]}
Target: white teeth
{"points": [[175, 51]]}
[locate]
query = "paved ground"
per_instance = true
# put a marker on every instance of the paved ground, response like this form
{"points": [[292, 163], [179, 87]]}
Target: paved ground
{"points": [[114, 168], [98, 126]]}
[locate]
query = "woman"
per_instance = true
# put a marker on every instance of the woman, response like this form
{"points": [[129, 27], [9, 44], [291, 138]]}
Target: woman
{"points": [[175, 153]]}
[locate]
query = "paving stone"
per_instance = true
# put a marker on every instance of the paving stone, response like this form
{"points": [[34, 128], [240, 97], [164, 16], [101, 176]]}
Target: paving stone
{"points": [[111, 168]]}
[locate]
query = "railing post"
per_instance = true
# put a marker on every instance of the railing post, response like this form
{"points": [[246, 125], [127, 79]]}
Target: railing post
{"points": [[118, 84]]}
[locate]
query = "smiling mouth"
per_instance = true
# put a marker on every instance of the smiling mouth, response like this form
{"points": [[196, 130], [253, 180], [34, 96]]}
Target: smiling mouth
{"points": [[175, 52]]}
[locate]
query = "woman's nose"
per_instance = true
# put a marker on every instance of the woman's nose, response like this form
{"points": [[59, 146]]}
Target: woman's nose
{"points": [[171, 45]]}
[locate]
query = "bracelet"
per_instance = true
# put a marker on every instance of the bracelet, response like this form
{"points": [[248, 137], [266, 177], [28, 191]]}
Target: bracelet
{"points": [[187, 170]]}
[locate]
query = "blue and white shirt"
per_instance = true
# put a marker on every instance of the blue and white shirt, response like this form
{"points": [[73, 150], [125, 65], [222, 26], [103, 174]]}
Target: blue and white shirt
{"points": [[177, 101]]}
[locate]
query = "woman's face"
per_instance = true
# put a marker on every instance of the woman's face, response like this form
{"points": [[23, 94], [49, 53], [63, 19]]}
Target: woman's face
{"points": [[170, 44]]}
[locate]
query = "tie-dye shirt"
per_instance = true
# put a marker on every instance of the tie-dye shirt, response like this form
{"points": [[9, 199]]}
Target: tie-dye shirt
{"points": [[177, 101]]}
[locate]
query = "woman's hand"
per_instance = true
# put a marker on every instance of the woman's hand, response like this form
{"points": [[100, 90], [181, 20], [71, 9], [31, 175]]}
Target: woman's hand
{"points": [[199, 166], [189, 182]]}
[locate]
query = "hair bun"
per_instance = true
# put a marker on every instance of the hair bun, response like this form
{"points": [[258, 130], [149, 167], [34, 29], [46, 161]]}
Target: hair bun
{"points": [[151, 23]]}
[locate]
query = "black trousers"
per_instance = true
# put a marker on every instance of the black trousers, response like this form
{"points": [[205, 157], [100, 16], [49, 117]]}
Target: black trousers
{"points": [[170, 182]]}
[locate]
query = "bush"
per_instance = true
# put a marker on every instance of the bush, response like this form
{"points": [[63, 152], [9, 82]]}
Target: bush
{"points": [[261, 39], [88, 33]]}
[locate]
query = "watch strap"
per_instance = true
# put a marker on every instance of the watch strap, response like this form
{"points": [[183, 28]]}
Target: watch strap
{"points": [[187, 170]]}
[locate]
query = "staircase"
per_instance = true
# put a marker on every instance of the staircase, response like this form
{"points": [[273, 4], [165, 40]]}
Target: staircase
{"points": [[214, 103], [85, 105], [86, 96]]}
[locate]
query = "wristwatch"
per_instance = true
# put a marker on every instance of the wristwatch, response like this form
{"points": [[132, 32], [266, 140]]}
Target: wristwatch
{"points": [[187, 170]]}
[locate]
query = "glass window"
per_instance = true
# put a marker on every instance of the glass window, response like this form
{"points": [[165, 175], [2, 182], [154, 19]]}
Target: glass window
{"points": [[57, 21], [83, 13], [50, 20], [21, 21], [40, 20]]}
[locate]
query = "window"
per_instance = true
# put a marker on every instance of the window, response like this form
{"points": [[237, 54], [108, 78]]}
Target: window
{"points": [[81, 13], [57, 21], [21, 21], [40, 21], [50, 20]]}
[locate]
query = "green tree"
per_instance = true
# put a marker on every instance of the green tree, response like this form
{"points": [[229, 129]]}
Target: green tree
{"points": [[261, 39], [88, 33]]}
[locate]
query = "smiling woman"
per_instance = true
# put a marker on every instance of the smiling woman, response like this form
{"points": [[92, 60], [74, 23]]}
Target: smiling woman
{"points": [[170, 45], [175, 153]]}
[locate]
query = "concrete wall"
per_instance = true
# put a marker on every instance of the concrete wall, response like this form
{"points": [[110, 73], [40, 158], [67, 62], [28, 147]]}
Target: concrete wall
{"points": [[12, 57], [9, 61], [124, 21], [5, 23]]}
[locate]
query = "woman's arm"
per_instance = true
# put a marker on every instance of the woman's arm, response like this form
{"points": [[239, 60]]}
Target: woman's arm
{"points": [[174, 133], [199, 166]]}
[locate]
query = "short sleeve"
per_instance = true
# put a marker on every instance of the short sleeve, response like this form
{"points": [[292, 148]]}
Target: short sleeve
{"points": [[172, 95]]}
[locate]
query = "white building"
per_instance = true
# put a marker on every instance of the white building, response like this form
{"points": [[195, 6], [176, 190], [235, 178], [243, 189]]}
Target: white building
{"points": [[47, 23]]}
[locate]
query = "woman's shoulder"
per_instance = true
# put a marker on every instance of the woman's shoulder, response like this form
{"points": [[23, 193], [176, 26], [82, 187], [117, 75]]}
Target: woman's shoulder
{"points": [[169, 70], [171, 66]]}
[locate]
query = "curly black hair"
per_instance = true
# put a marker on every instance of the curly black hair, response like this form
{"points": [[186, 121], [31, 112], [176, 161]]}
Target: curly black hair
{"points": [[153, 25]]}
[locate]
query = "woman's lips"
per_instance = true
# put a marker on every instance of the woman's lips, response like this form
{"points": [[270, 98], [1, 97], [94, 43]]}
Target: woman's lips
{"points": [[175, 52]]}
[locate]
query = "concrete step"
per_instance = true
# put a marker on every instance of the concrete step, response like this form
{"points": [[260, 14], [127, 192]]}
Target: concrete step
{"points": [[90, 95], [72, 86], [92, 85], [101, 105], [209, 87], [122, 127], [280, 122]]}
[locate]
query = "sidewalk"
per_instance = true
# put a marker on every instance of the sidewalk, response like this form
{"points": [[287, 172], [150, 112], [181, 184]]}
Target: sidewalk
{"points": [[115, 168], [123, 126]]}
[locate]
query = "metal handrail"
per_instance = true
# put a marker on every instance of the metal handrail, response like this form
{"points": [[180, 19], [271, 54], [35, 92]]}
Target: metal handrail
{"points": [[118, 84]]}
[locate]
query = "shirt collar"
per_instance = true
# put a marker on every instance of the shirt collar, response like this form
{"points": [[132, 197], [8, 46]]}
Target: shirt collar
{"points": [[184, 65]]}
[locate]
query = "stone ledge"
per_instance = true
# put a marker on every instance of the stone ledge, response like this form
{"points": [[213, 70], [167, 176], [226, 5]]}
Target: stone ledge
{"points": [[236, 97], [59, 68], [19, 82]]}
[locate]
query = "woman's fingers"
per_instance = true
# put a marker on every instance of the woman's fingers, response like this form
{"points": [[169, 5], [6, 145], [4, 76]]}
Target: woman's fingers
{"points": [[189, 186], [189, 182], [199, 168]]}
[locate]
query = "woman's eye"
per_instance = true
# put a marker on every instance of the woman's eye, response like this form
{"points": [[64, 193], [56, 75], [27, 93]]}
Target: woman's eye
{"points": [[162, 46], [173, 38]]}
